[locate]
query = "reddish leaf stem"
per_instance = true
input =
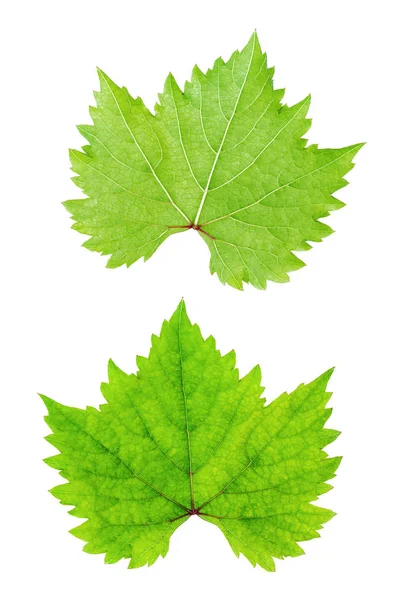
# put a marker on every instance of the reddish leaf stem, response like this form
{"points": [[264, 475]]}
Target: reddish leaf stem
{"points": [[192, 226]]}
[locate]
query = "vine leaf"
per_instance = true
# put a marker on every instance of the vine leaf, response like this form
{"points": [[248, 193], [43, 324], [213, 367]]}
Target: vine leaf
{"points": [[224, 158], [186, 436]]}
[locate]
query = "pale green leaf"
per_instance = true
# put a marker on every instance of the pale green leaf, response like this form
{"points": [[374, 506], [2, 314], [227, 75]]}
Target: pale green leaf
{"points": [[186, 436], [225, 158]]}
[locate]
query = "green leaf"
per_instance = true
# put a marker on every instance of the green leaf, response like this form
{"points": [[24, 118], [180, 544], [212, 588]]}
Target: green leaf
{"points": [[224, 158], [185, 436]]}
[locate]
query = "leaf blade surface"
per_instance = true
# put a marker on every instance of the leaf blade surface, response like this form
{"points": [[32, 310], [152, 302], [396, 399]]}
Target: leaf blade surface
{"points": [[186, 436], [224, 157]]}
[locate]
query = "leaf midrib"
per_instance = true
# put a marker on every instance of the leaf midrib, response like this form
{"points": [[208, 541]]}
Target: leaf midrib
{"points": [[351, 149], [186, 410], [141, 150], [99, 443], [264, 447], [198, 215]]}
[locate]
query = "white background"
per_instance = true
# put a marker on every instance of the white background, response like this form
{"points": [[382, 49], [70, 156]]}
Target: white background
{"points": [[63, 314]]}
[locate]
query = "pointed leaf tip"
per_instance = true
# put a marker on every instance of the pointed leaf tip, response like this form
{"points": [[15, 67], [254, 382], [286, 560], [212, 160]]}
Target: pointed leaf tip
{"points": [[112, 367], [328, 373], [323, 378], [181, 308], [48, 402]]}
